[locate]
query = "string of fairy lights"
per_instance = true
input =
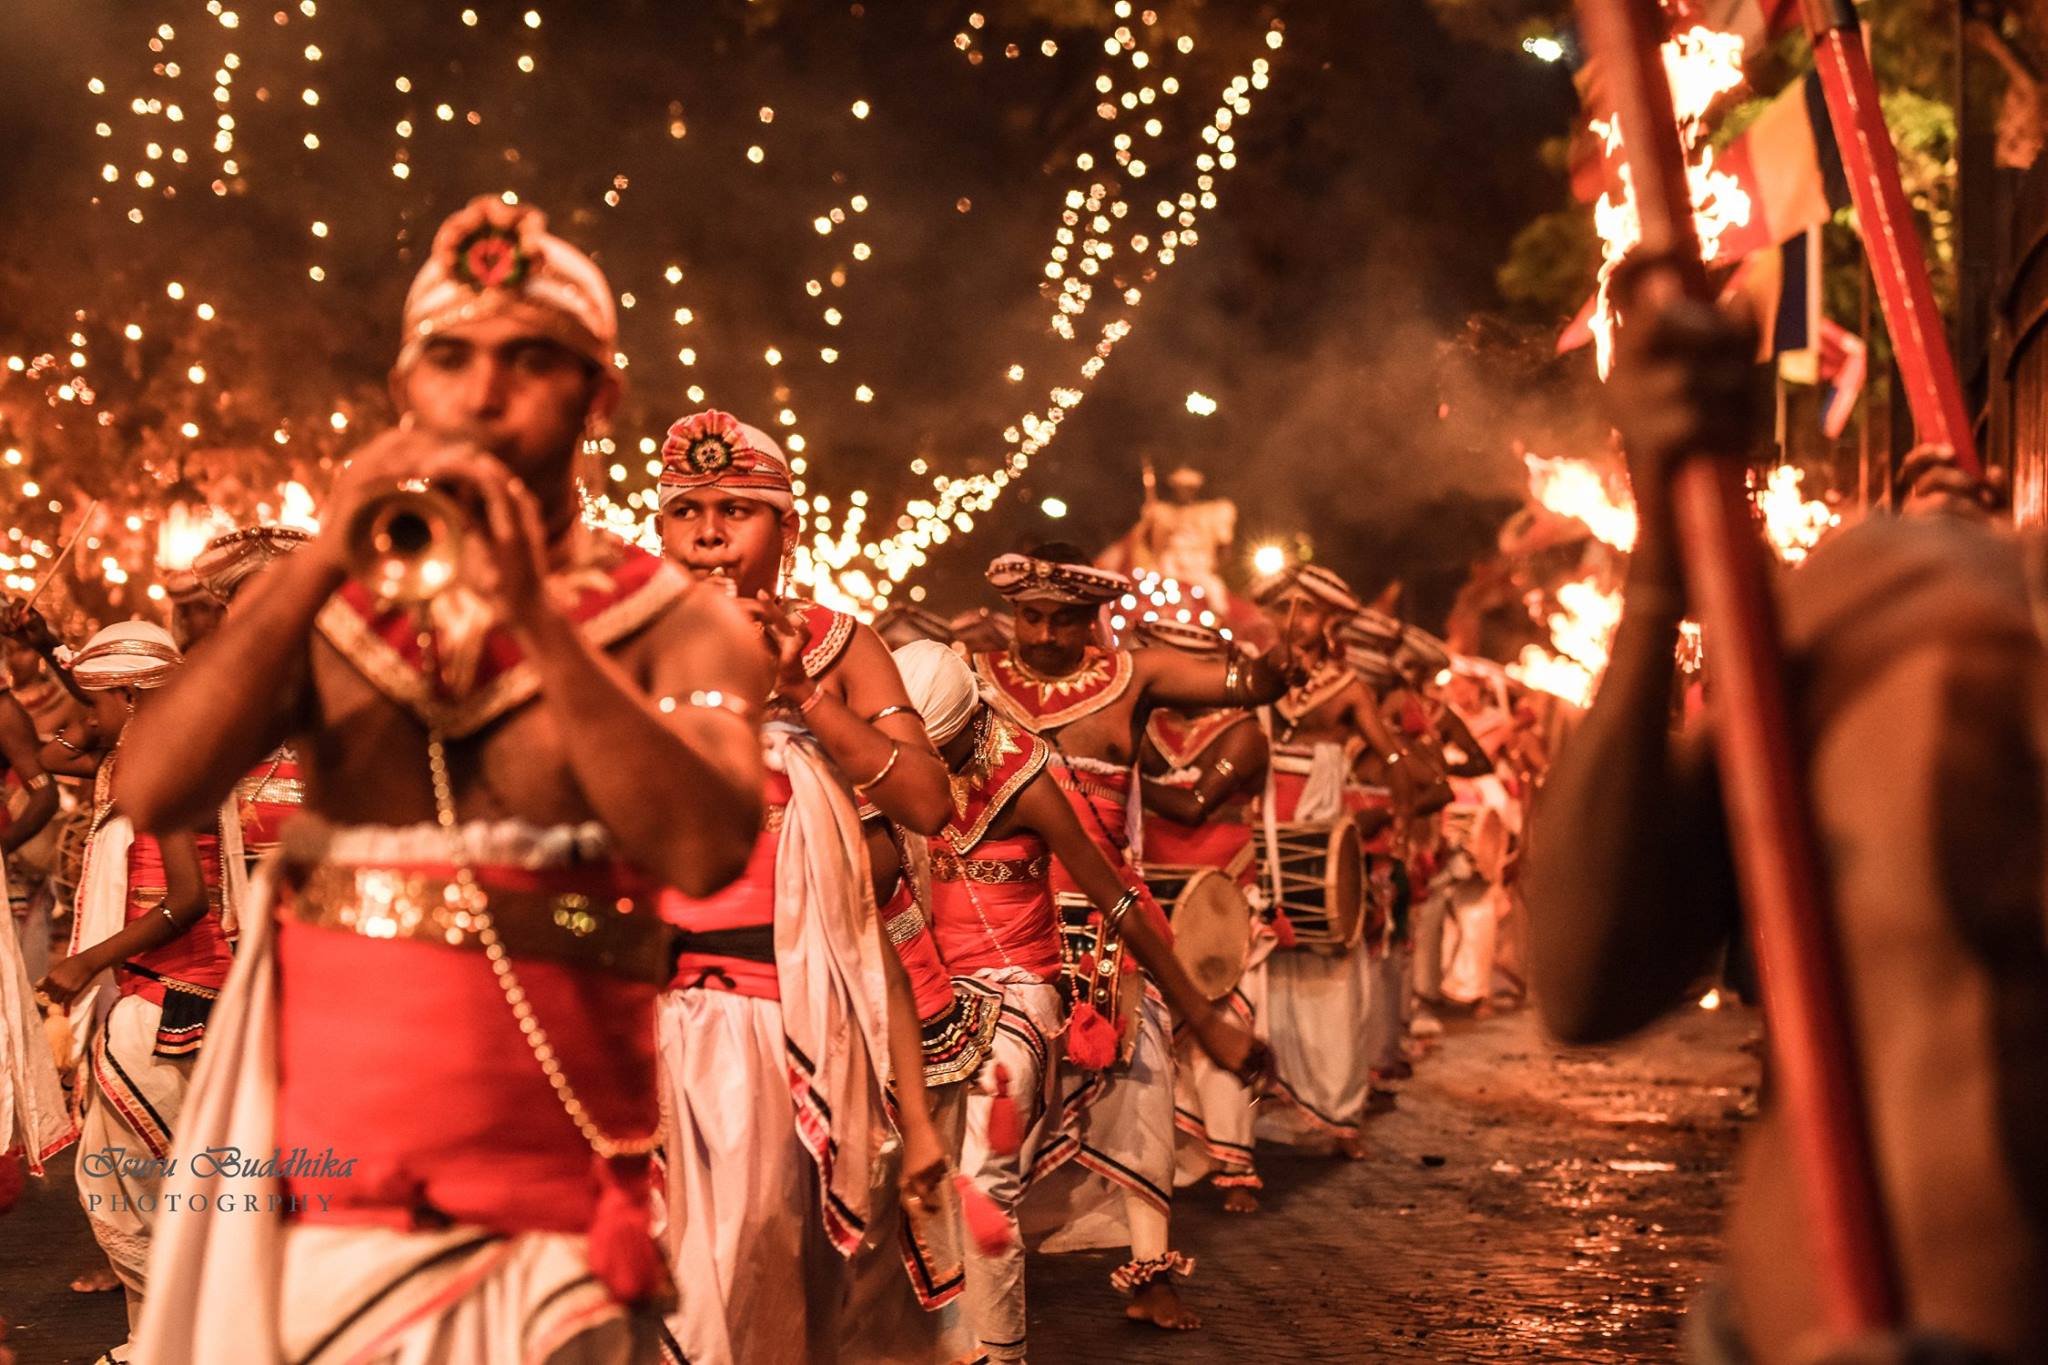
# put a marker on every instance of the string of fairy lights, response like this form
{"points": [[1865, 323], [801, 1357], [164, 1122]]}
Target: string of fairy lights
{"points": [[1129, 208]]}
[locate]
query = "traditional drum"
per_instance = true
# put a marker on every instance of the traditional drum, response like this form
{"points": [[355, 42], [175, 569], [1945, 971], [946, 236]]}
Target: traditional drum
{"points": [[1092, 968], [1321, 884], [74, 828], [1212, 923]]}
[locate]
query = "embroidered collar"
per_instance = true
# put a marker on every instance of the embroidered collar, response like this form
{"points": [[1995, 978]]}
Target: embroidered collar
{"points": [[829, 632], [1040, 703], [612, 591], [1328, 680], [1181, 739], [1006, 756]]}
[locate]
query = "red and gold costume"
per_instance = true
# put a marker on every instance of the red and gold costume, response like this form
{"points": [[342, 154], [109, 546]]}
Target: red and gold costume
{"points": [[1213, 1110], [1106, 1177], [995, 922], [771, 1033]]}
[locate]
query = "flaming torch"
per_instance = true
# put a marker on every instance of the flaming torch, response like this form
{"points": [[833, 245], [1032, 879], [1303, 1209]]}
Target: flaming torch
{"points": [[1770, 824]]}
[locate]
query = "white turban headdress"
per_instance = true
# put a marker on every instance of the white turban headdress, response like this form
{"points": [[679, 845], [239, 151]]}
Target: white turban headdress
{"points": [[941, 687]]}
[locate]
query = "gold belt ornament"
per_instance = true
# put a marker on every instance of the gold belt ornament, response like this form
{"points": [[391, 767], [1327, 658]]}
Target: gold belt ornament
{"points": [[620, 935], [950, 867]]}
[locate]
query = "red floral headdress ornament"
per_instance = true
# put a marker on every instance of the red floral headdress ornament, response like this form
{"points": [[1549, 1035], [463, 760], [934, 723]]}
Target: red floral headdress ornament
{"points": [[718, 450], [494, 259]]}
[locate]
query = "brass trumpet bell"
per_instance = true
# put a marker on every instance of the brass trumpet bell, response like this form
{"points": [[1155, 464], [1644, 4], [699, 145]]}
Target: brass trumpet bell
{"points": [[406, 545]]}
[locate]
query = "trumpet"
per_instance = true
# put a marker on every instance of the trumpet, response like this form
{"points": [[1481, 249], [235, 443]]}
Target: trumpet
{"points": [[405, 546]]}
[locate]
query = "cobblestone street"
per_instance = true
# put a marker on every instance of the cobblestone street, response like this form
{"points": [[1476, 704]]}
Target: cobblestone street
{"points": [[1521, 1202]]}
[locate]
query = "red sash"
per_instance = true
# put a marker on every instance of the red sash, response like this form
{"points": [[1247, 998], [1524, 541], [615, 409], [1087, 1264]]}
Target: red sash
{"points": [[989, 912], [271, 793], [746, 904], [494, 1146], [1041, 704], [201, 956]]}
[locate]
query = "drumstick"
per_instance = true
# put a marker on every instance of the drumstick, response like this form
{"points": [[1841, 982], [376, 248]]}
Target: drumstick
{"points": [[62, 555]]}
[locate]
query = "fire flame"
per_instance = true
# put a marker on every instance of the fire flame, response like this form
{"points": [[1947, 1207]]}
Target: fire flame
{"points": [[1794, 524], [1702, 65], [1581, 633], [1573, 488]]}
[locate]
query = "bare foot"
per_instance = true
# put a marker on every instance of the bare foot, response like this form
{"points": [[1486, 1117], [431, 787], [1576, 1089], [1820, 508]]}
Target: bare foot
{"points": [[1240, 1199], [1159, 1304], [1354, 1148], [100, 1281]]}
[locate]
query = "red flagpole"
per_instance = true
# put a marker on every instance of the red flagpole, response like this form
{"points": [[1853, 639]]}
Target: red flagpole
{"points": [[1783, 897], [1897, 262]]}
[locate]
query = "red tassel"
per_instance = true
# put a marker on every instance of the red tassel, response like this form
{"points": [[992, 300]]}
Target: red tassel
{"points": [[1091, 1039], [13, 1179], [622, 1251], [1005, 1129], [992, 1233], [1283, 930]]}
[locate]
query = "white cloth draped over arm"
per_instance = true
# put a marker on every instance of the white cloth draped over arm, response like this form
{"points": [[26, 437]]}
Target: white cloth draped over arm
{"points": [[33, 1115], [215, 1277], [101, 912], [828, 961]]}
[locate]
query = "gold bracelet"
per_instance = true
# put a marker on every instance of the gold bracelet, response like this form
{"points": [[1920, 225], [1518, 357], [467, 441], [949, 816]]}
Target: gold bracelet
{"points": [[895, 752]]}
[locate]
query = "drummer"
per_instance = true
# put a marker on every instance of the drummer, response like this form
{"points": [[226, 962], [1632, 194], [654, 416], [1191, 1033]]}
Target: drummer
{"points": [[1318, 1005], [993, 919], [1059, 680], [1200, 769]]}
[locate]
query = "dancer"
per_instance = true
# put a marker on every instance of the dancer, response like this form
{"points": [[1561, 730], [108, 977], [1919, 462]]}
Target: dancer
{"points": [[1089, 702]]}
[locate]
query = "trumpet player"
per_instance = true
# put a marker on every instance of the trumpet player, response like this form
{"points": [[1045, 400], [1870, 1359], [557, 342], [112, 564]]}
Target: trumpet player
{"points": [[774, 1042], [442, 1018]]}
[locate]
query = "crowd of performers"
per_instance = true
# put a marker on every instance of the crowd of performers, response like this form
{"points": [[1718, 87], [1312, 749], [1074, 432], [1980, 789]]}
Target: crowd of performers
{"points": [[542, 968]]}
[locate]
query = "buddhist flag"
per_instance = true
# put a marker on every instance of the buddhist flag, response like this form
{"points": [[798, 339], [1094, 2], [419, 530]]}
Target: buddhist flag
{"points": [[1789, 166]]}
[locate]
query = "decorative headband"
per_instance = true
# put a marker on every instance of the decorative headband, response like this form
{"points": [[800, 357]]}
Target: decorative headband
{"points": [[1020, 578]]}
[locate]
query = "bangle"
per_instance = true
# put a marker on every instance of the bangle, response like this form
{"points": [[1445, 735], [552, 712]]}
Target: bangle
{"points": [[165, 911], [888, 711], [1232, 676], [1224, 767], [1115, 918], [38, 782], [803, 708], [895, 752], [711, 701], [59, 738]]}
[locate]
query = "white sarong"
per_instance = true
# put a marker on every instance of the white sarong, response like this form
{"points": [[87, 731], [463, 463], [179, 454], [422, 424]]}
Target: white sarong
{"points": [[775, 1133], [1023, 1046]]}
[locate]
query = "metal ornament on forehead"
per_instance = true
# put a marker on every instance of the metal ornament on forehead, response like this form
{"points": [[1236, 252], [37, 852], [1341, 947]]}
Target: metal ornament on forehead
{"points": [[1020, 578]]}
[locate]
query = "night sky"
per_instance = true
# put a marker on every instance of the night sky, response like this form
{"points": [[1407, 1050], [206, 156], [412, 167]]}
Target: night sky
{"points": [[1380, 179]]}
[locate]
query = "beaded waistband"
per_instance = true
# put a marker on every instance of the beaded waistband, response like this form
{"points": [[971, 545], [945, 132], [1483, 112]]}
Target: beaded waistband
{"points": [[605, 930]]}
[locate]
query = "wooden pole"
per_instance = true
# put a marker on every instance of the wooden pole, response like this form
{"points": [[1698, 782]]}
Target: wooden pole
{"points": [[1814, 1066], [1885, 220]]}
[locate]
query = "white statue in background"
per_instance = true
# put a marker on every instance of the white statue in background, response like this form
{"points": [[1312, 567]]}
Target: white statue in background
{"points": [[1182, 535]]}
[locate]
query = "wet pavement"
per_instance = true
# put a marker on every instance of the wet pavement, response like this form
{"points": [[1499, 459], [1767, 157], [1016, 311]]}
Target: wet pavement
{"points": [[1521, 1202]]}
